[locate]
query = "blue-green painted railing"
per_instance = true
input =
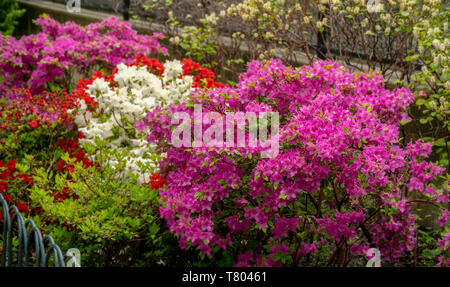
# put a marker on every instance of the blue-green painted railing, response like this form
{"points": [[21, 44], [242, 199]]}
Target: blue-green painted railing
{"points": [[29, 239]]}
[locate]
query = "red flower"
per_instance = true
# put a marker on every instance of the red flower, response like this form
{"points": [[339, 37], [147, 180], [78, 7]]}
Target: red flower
{"points": [[81, 135], [23, 207], [155, 66], [64, 194], [87, 162], [34, 124], [97, 74], [11, 166], [190, 67], [156, 181], [60, 166], [7, 198], [3, 186], [70, 169], [90, 102], [26, 178]]}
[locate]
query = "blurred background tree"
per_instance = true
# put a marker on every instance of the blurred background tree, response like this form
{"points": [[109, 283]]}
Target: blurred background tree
{"points": [[9, 13]]}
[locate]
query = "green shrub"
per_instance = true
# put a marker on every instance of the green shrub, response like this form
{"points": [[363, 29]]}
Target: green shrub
{"points": [[107, 218]]}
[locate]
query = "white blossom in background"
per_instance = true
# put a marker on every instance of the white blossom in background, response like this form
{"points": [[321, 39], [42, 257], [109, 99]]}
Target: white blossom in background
{"points": [[172, 69], [138, 92]]}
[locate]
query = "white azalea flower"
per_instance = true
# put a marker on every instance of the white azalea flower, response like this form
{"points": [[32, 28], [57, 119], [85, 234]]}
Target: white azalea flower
{"points": [[172, 69]]}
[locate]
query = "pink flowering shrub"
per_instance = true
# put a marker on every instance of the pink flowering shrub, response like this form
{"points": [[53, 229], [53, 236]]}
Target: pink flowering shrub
{"points": [[341, 183], [60, 50]]}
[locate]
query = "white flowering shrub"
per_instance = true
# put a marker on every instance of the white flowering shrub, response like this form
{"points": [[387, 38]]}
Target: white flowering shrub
{"points": [[111, 105], [432, 82]]}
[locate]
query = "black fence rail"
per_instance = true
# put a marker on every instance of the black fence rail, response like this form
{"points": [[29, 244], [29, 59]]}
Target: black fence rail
{"points": [[29, 248]]}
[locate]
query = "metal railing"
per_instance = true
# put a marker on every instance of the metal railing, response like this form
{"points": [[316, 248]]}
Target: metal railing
{"points": [[18, 253]]}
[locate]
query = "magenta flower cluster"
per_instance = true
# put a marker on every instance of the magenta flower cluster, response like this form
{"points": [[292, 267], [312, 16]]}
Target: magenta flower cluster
{"points": [[61, 50], [341, 183]]}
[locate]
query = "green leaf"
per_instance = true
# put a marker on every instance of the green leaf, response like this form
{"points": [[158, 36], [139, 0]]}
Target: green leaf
{"points": [[440, 142], [346, 130], [404, 122], [412, 58], [405, 13], [199, 195], [420, 102], [446, 77]]}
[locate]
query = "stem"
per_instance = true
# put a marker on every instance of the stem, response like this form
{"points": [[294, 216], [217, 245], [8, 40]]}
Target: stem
{"points": [[316, 205]]}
